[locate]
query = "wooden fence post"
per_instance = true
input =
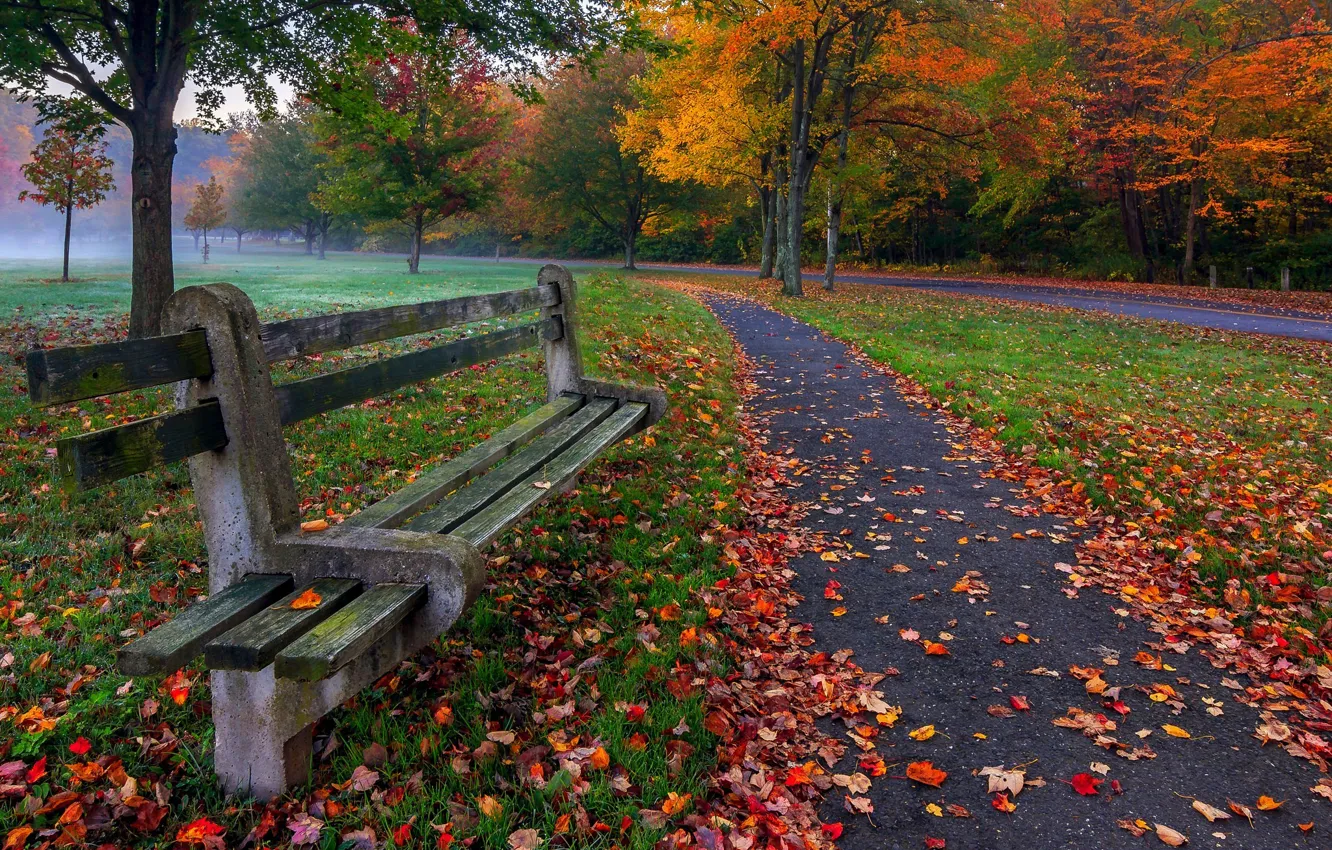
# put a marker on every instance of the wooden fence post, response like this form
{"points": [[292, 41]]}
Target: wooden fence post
{"points": [[1211, 277], [1248, 277]]}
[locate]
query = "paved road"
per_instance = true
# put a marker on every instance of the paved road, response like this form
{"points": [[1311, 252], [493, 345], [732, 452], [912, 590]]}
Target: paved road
{"points": [[870, 451], [1188, 311]]}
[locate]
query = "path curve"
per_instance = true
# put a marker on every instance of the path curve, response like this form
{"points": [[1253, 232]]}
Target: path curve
{"points": [[854, 431]]}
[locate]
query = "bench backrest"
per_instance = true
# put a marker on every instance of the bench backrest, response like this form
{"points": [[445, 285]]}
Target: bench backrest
{"points": [[199, 354]]}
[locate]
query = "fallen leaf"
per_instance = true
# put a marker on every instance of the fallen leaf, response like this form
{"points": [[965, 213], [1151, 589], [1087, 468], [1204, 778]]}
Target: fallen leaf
{"points": [[924, 733], [307, 600], [1175, 731], [1267, 804], [1170, 836], [1212, 813], [1086, 784], [314, 525], [926, 773]]}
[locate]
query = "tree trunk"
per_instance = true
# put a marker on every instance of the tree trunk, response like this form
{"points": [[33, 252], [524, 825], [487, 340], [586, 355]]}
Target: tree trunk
{"points": [[783, 248], [309, 238], [418, 229], [768, 203], [795, 201], [834, 232], [835, 190], [1191, 228], [152, 277], [629, 241], [324, 221], [69, 217]]}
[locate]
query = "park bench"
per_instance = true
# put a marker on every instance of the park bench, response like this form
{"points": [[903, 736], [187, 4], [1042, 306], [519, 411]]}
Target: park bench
{"points": [[391, 578]]}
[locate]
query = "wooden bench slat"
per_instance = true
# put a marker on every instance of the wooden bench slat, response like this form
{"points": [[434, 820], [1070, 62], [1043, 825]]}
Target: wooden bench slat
{"points": [[485, 526], [100, 457], [449, 475], [316, 334], [303, 399], [254, 643], [59, 375], [349, 633], [172, 645], [455, 509]]}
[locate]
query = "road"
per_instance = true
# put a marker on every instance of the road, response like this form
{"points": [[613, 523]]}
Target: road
{"points": [[1186, 311]]}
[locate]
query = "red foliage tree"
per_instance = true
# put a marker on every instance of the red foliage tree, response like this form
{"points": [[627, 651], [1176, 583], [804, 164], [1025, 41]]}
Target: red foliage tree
{"points": [[68, 169]]}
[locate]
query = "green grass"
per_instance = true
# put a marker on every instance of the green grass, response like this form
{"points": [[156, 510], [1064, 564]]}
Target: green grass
{"points": [[605, 576], [1163, 424], [275, 278]]}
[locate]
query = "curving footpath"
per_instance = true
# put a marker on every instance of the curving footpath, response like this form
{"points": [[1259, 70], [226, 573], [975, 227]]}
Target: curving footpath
{"points": [[869, 451]]}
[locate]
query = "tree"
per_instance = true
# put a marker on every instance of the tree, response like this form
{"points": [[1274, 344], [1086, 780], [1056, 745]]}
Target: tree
{"points": [[207, 212], [413, 142], [132, 59], [576, 159], [69, 169], [282, 163], [709, 115]]}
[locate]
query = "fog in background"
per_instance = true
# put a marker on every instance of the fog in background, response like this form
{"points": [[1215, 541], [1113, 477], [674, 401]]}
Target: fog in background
{"points": [[29, 230]]}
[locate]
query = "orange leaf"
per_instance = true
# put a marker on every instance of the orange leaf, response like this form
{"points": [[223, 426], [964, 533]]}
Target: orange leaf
{"points": [[314, 525], [932, 648], [674, 803], [1267, 804], [307, 600], [926, 773]]}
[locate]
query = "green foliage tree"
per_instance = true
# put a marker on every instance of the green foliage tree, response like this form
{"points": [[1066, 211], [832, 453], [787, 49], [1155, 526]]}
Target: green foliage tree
{"points": [[282, 166], [576, 159], [208, 210], [414, 142], [131, 60], [68, 169]]}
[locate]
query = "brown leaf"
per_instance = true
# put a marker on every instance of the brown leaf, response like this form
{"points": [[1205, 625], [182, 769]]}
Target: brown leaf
{"points": [[1170, 836]]}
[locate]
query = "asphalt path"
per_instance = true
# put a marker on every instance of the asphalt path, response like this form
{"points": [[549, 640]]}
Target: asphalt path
{"points": [[1013, 632], [1184, 310]]}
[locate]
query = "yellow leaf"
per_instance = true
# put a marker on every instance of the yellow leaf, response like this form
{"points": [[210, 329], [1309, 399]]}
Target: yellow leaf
{"points": [[924, 733], [933, 808], [490, 807], [1175, 731], [838, 611], [828, 556]]}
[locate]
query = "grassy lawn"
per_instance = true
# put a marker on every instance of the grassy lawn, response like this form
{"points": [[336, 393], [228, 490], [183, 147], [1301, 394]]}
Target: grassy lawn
{"points": [[1217, 447], [275, 278], [567, 701]]}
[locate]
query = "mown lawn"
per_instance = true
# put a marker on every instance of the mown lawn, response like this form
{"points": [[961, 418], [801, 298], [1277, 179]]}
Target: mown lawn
{"points": [[1216, 446], [568, 701]]}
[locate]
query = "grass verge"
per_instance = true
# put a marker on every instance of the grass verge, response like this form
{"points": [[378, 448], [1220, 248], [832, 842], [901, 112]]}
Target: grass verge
{"points": [[567, 701]]}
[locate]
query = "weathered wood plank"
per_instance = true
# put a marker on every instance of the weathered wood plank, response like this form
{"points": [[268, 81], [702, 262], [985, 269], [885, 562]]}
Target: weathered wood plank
{"points": [[296, 337], [454, 510], [59, 375], [349, 632], [255, 642], [485, 526], [172, 645], [303, 399], [449, 475], [97, 458]]}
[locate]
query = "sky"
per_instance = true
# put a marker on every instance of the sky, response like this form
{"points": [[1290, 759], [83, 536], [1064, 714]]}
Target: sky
{"points": [[185, 107]]}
